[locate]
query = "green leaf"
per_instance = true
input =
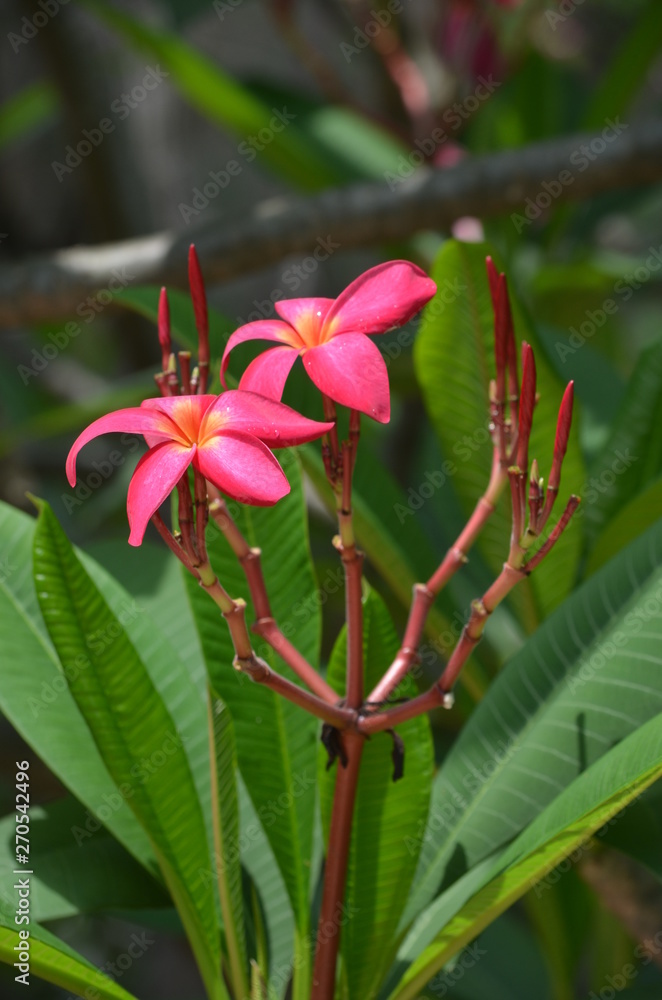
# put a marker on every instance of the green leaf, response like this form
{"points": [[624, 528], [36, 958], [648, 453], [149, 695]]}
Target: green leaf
{"points": [[584, 681], [32, 106], [54, 961], [75, 870], [73, 416], [590, 802], [275, 740], [144, 300], [35, 698], [630, 522], [135, 733], [626, 74], [225, 101], [632, 457], [268, 892], [453, 357], [388, 817], [226, 839]]}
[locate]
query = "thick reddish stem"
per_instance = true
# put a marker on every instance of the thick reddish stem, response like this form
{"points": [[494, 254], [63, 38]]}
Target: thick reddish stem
{"points": [[571, 507], [353, 563], [259, 671], [172, 543], [268, 630], [433, 698], [265, 626], [422, 602], [335, 872], [185, 518], [185, 370]]}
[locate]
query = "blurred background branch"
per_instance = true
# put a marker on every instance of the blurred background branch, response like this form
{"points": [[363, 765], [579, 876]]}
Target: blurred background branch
{"points": [[51, 286]]}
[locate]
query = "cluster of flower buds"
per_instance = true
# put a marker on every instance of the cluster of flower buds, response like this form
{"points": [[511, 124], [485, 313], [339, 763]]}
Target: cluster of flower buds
{"points": [[512, 431], [187, 383]]}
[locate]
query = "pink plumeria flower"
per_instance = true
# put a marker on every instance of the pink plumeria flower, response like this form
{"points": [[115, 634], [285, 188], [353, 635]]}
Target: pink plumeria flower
{"points": [[225, 438], [331, 337]]}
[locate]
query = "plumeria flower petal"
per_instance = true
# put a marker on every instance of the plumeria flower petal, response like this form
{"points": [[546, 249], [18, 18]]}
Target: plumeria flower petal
{"points": [[317, 329], [132, 420], [263, 329], [351, 370], [267, 373], [224, 458], [383, 298], [273, 423], [225, 437], [156, 475]]}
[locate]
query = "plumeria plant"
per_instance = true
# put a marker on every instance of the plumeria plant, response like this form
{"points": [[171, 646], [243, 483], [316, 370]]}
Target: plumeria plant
{"points": [[205, 780]]}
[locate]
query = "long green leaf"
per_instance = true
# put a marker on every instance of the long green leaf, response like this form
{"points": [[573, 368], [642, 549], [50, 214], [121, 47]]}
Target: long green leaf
{"points": [[591, 801], [35, 698], [453, 356], [632, 458], [632, 519], [269, 895], [226, 840], [275, 740], [53, 960], [627, 73], [134, 732], [225, 101], [585, 680], [388, 816], [75, 871]]}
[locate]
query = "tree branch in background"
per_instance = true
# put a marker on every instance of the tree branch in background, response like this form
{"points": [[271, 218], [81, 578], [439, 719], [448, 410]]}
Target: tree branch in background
{"points": [[51, 286]]}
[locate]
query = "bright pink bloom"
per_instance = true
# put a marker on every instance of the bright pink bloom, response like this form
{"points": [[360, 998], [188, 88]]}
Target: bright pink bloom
{"points": [[330, 336], [225, 437]]}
